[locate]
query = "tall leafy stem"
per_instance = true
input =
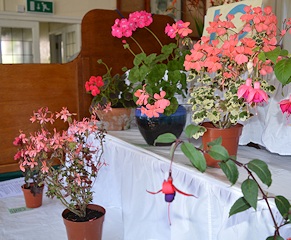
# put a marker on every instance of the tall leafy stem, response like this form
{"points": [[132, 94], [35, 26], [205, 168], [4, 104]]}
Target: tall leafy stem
{"points": [[251, 187]]}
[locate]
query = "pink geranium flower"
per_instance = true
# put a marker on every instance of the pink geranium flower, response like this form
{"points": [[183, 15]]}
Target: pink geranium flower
{"points": [[94, 84]]}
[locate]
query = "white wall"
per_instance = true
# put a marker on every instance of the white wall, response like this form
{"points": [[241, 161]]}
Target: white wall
{"points": [[71, 8]]}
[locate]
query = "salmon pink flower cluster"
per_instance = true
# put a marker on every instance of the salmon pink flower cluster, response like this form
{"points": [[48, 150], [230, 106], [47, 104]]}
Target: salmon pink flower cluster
{"points": [[162, 75], [225, 62], [38, 151], [159, 103], [179, 28]]}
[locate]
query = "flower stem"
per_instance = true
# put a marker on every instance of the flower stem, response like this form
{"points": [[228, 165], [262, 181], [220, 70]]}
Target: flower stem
{"points": [[154, 36], [137, 45]]}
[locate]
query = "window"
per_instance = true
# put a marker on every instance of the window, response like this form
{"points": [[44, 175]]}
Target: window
{"points": [[19, 42], [16, 45]]}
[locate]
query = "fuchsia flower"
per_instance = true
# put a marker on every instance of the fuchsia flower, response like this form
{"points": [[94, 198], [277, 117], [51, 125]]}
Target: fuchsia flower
{"points": [[243, 90], [285, 106], [257, 95], [170, 190]]}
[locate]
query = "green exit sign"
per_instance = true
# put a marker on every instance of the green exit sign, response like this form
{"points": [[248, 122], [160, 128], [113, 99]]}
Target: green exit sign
{"points": [[39, 6]]}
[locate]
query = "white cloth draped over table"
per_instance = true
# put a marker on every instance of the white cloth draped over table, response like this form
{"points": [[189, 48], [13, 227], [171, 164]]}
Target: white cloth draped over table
{"points": [[133, 169], [270, 128], [132, 213]]}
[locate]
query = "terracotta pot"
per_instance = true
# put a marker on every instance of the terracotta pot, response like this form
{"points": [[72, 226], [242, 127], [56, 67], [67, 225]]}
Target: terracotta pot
{"points": [[32, 200], [90, 230], [230, 137], [116, 120]]}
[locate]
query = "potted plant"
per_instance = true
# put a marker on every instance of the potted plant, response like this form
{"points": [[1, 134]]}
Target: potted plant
{"points": [[77, 149], [252, 61], [32, 155], [112, 99], [229, 69], [159, 78]]}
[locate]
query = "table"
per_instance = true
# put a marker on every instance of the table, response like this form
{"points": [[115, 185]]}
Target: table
{"points": [[132, 213]]}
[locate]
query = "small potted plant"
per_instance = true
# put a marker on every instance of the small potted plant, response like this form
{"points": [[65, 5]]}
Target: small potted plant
{"points": [[112, 99], [32, 155], [159, 78], [230, 70], [78, 150]]}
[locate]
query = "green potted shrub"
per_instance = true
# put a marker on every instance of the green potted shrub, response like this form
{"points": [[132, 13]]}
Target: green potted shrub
{"points": [[112, 99], [159, 78]]}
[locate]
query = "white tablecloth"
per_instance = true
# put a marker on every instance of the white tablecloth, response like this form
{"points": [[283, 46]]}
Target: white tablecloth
{"points": [[135, 214], [133, 169]]}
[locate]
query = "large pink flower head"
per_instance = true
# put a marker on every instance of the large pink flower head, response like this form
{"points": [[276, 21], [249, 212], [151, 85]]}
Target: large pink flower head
{"points": [[122, 28], [285, 106], [141, 19], [94, 84], [125, 27]]}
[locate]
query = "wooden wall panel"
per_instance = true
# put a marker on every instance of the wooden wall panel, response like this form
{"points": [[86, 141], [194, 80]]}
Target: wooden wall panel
{"points": [[27, 87]]}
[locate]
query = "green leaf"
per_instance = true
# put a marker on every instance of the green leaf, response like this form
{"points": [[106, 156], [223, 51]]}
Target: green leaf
{"points": [[149, 59], [283, 205], [195, 156], [165, 138], [239, 206], [262, 56], [218, 152], [230, 170], [139, 58], [191, 130], [250, 191], [273, 238], [217, 141], [283, 71], [274, 54], [261, 169]]}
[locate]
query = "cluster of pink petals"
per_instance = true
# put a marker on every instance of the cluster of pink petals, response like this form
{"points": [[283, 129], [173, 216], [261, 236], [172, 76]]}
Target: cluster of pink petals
{"points": [[285, 106], [180, 29], [151, 110], [207, 55], [125, 27], [252, 94], [33, 148], [94, 84]]}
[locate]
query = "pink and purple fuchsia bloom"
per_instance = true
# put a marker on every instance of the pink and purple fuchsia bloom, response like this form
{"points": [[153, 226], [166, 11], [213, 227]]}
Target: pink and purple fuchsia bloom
{"points": [[170, 190]]}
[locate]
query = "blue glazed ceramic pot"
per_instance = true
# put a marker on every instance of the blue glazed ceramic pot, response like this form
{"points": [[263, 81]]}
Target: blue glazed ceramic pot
{"points": [[151, 128]]}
